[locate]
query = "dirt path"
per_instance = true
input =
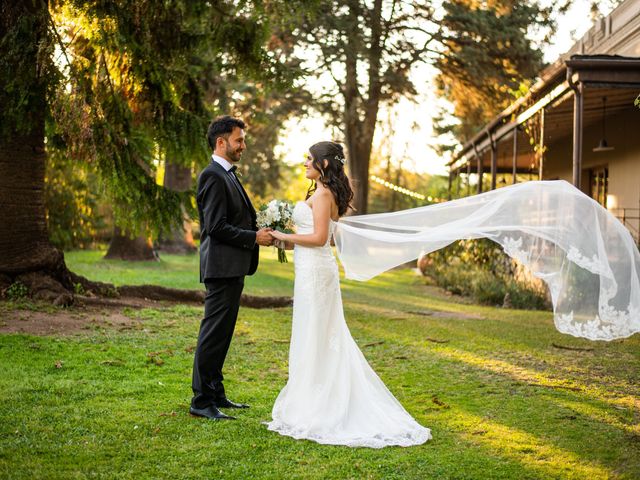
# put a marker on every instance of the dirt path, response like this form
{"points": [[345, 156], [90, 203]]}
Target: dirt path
{"points": [[74, 320], [89, 313]]}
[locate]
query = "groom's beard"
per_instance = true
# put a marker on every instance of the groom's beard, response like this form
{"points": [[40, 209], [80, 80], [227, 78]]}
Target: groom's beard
{"points": [[234, 155]]}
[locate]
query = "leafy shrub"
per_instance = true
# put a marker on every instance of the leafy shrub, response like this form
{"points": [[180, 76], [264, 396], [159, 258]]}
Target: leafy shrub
{"points": [[72, 200], [17, 291], [480, 269], [488, 289], [527, 298]]}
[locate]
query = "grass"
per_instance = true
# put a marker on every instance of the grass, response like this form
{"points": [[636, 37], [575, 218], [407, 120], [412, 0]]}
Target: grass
{"points": [[502, 401], [176, 271]]}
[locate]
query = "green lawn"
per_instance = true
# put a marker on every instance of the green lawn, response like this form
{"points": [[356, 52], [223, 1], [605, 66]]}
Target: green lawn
{"points": [[502, 401], [177, 271]]}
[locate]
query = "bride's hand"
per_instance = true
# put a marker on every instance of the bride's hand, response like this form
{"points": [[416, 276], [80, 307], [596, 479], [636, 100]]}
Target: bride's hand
{"points": [[278, 235]]}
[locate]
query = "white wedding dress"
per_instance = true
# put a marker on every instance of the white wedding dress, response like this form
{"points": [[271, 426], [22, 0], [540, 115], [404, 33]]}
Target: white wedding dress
{"points": [[332, 395]]}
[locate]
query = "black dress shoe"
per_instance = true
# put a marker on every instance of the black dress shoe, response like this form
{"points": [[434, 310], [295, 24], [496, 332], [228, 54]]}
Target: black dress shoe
{"points": [[210, 412], [226, 403]]}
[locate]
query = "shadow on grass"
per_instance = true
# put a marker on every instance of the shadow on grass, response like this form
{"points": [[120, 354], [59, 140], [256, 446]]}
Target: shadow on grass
{"points": [[512, 412]]}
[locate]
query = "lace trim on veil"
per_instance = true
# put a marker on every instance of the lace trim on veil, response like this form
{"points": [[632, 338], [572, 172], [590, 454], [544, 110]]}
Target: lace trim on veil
{"points": [[586, 257]]}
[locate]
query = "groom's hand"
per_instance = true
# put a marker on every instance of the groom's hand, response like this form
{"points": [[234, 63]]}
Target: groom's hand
{"points": [[263, 237]]}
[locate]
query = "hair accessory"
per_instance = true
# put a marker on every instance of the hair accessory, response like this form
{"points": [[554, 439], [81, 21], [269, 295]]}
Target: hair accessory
{"points": [[340, 159]]}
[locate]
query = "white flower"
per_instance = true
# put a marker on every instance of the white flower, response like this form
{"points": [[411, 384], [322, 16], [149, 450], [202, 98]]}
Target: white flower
{"points": [[276, 214]]}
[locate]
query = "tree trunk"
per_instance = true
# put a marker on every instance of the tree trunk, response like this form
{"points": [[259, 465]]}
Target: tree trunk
{"points": [[352, 122], [24, 243], [26, 256], [180, 240], [359, 141], [360, 114], [123, 247], [359, 169]]}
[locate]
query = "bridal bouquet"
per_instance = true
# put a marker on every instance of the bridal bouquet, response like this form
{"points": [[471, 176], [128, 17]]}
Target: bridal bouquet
{"points": [[279, 216]]}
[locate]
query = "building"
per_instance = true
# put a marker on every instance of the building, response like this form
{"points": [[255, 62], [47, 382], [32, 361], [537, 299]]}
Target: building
{"points": [[577, 123]]}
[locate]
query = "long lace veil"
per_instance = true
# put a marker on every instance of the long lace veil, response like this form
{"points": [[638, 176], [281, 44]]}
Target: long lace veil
{"points": [[586, 257]]}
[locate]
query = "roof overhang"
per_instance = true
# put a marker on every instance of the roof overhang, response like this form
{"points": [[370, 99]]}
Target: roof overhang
{"points": [[593, 71]]}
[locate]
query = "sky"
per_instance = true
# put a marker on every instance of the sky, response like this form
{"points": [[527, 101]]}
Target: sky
{"points": [[410, 145]]}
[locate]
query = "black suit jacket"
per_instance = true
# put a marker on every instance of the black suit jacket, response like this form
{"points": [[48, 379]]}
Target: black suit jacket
{"points": [[227, 226]]}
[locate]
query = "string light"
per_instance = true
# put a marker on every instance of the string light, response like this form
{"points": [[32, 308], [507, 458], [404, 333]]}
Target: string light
{"points": [[404, 191]]}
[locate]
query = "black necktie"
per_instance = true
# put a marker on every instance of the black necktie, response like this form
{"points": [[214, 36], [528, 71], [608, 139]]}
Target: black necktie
{"points": [[232, 171]]}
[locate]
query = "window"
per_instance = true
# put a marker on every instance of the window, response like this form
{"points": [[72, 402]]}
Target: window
{"points": [[599, 183]]}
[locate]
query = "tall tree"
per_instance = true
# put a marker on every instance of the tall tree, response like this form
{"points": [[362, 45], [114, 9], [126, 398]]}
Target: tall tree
{"points": [[365, 53], [24, 74], [179, 240], [487, 60], [119, 80]]}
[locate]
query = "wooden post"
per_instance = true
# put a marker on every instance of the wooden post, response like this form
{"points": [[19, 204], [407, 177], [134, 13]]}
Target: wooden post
{"points": [[480, 172], [494, 160], [578, 91], [541, 156], [515, 154]]}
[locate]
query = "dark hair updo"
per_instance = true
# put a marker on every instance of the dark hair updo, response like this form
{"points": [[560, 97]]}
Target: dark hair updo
{"points": [[332, 175]]}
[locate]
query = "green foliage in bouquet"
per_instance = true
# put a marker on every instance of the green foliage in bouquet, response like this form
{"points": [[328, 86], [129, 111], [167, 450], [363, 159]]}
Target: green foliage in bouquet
{"points": [[277, 215]]}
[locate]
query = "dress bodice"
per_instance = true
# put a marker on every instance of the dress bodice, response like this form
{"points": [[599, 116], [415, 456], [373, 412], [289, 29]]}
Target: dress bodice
{"points": [[303, 218], [308, 259]]}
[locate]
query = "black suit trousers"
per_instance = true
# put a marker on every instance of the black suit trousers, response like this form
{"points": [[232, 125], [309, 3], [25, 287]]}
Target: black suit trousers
{"points": [[221, 306]]}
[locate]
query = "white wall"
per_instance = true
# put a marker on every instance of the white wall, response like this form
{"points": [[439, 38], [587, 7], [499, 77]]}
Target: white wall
{"points": [[623, 133]]}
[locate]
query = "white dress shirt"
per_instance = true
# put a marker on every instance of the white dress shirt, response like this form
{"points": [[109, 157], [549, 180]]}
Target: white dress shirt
{"points": [[222, 161]]}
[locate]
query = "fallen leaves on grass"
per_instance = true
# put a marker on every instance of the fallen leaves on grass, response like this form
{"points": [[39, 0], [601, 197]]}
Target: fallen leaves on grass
{"points": [[435, 340], [439, 402], [574, 349], [112, 363], [154, 357]]}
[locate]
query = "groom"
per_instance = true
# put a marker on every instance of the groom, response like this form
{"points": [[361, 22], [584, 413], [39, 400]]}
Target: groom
{"points": [[229, 248]]}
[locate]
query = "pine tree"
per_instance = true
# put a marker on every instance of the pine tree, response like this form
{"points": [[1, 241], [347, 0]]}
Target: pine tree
{"points": [[119, 83], [487, 59]]}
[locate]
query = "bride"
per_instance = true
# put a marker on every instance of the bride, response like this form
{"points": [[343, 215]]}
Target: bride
{"points": [[332, 395]]}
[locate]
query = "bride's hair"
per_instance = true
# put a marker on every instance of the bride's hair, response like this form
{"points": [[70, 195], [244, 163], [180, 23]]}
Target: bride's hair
{"points": [[332, 175]]}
